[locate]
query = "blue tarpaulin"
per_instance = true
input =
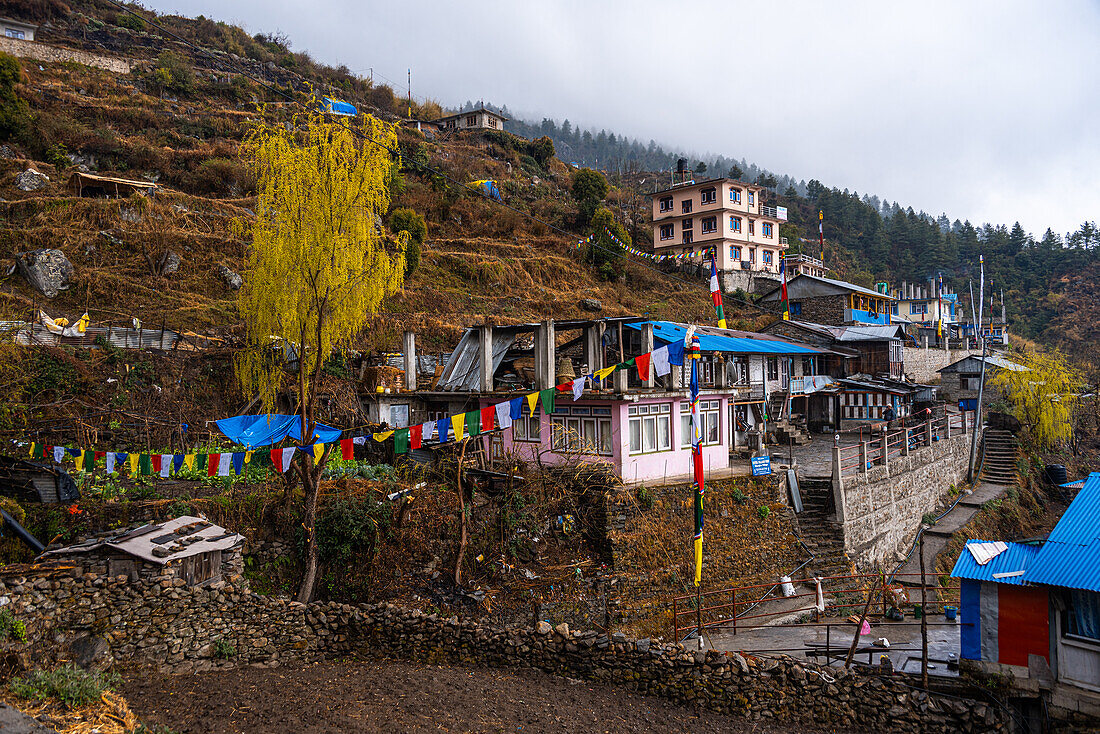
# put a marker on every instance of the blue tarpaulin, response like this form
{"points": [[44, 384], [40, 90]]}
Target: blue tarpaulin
{"points": [[488, 187], [337, 107], [268, 429]]}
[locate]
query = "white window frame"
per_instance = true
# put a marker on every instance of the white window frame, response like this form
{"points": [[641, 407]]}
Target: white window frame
{"points": [[712, 221], [767, 229], [668, 232], [735, 224], [644, 424], [665, 203], [735, 196], [708, 196], [710, 413], [528, 428]]}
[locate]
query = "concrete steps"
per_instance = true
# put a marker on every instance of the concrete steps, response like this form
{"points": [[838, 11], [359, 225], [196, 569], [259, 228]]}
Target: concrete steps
{"points": [[1000, 455]]}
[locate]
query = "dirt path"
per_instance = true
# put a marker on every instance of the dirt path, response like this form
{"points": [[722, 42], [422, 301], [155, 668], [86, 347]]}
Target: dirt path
{"points": [[386, 696]]}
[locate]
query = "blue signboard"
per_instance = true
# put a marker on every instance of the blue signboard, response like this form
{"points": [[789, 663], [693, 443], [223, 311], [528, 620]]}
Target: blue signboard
{"points": [[761, 466]]}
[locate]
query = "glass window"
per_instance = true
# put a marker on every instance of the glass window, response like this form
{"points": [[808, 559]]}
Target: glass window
{"points": [[767, 254], [735, 196], [735, 253], [767, 229], [666, 203], [773, 368], [708, 416], [650, 428], [708, 196], [685, 206], [686, 239], [686, 224], [667, 232], [752, 226], [527, 427], [12, 33], [796, 308], [735, 224], [605, 437], [710, 224], [752, 198]]}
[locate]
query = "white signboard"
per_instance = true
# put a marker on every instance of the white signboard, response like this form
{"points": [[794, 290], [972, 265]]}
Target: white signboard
{"points": [[781, 213]]}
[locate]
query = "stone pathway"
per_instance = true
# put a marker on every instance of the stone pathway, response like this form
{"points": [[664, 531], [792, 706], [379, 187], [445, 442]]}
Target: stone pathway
{"points": [[937, 536]]}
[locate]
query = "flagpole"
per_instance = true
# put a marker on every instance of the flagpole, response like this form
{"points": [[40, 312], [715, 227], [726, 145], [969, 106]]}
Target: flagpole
{"points": [[821, 233], [697, 465]]}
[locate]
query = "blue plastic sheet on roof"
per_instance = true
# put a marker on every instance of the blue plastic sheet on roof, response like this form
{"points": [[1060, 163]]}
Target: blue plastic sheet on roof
{"points": [[670, 332], [337, 107], [268, 429], [1071, 556], [1017, 557]]}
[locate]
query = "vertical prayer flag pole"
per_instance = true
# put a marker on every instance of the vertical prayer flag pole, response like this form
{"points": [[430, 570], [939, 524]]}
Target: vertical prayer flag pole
{"points": [[783, 277], [697, 463], [716, 291], [821, 233]]}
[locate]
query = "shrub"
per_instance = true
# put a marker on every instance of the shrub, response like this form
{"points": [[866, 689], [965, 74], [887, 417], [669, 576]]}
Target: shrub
{"points": [[542, 150], [407, 220], [588, 189], [12, 628], [125, 20], [603, 251], [763, 511], [645, 497], [220, 177], [171, 74], [739, 496], [70, 685], [15, 115], [224, 650]]}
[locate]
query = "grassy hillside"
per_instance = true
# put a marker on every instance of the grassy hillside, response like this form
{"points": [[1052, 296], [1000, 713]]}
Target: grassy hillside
{"points": [[178, 118]]}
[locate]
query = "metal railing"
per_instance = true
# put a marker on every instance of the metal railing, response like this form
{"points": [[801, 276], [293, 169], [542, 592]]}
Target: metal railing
{"points": [[744, 608], [877, 446]]}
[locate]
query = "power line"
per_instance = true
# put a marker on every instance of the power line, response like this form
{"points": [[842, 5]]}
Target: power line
{"points": [[364, 136]]}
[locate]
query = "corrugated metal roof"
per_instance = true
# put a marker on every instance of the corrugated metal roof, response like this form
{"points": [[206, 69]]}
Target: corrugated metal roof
{"points": [[865, 333], [171, 545], [1017, 557], [838, 283], [1071, 555], [716, 341]]}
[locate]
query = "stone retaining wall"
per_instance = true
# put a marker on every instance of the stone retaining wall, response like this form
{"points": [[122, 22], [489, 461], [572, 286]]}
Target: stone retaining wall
{"points": [[45, 52], [922, 365], [882, 507], [178, 628]]}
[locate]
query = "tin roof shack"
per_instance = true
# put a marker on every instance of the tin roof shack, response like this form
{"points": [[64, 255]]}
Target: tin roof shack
{"points": [[1032, 610], [189, 548], [28, 481], [868, 350], [959, 381], [107, 187], [833, 302]]}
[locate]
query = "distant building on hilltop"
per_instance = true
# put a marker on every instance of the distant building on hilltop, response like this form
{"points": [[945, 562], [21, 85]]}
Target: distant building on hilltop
{"points": [[479, 119], [920, 304], [17, 29], [727, 216]]}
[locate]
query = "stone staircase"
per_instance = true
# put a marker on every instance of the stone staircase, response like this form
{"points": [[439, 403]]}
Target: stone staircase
{"points": [[999, 465], [819, 529], [786, 429]]}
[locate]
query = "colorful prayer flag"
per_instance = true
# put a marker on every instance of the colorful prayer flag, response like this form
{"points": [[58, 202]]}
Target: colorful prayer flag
{"points": [[532, 401], [416, 436], [347, 449], [457, 422], [212, 461], [281, 458], [642, 362], [473, 422], [697, 454], [238, 462], [547, 398], [715, 293], [401, 441], [441, 427], [488, 415]]}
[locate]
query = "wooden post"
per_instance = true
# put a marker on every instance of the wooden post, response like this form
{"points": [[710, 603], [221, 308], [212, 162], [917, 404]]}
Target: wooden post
{"points": [[461, 516], [859, 625], [885, 446], [675, 621], [734, 595], [923, 619], [699, 616], [863, 457]]}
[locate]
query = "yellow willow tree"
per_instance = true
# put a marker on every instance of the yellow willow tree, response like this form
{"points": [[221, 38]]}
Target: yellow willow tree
{"points": [[318, 267], [1044, 395]]}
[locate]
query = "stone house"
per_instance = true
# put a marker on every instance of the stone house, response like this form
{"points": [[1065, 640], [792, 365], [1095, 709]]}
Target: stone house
{"points": [[479, 119], [832, 302], [189, 548], [959, 381], [17, 29]]}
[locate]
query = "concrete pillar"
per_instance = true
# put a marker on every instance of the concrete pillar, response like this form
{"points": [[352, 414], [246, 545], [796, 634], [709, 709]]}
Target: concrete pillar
{"points": [[410, 361], [545, 351], [485, 357], [947, 427], [925, 338], [593, 346], [721, 377], [647, 346], [863, 457], [905, 443], [838, 482], [928, 431], [885, 447]]}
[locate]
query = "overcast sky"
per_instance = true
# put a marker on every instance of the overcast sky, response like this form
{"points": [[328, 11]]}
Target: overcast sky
{"points": [[988, 111]]}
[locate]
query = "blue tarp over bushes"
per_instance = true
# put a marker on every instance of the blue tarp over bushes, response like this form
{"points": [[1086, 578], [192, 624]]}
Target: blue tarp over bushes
{"points": [[268, 429]]}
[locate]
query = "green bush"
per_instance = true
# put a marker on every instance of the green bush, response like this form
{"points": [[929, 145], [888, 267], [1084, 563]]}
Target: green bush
{"points": [[739, 496], [407, 220], [763, 511], [171, 73], [224, 650], [603, 251], [15, 114], [588, 189], [12, 628], [69, 685], [125, 20], [645, 497]]}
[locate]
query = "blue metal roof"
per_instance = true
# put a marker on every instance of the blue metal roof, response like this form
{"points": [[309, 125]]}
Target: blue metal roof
{"points": [[337, 107], [1071, 555], [670, 331], [1018, 557]]}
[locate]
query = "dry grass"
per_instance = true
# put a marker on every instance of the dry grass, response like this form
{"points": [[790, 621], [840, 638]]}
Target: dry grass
{"points": [[110, 715]]}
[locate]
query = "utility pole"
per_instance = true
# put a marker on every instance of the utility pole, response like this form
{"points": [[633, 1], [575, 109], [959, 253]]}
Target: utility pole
{"points": [[923, 619], [977, 418]]}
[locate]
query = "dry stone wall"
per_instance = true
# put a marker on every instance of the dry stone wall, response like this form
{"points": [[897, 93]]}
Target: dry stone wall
{"points": [[922, 365], [162, 623], [45, 52], [882, 507]]}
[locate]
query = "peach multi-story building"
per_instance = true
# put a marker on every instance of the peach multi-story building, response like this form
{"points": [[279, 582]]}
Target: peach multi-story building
{"points": [[726, 215]]}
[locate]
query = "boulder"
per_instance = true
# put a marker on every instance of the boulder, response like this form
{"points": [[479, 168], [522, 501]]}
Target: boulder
{"points": [[48, 271], [232, 280], [543, 627], [591, 304], [170, 263], [91, 652], [31, 180]]}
